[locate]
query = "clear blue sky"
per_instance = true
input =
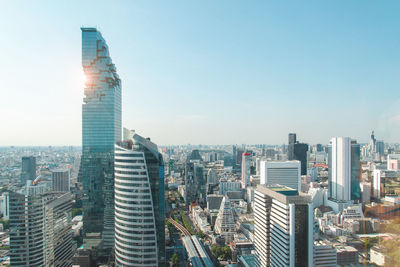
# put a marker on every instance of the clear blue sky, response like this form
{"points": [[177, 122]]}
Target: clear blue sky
{"points": [[206, 72]]}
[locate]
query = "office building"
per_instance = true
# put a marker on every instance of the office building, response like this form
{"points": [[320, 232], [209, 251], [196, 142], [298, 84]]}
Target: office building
{"points": [[298, 151], [283, 227], [5, 205], [28, 171], [225, 223], [393, 162], [139, 204], [286, 173], [101, 129], [344, 169], [246, 162], [60, 180], [40, 230], [376, 185], [380, 147], [324, 254], [227, 186]]}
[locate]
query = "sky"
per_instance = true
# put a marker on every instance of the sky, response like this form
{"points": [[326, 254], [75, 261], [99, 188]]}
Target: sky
{"points": [[206, 72]]}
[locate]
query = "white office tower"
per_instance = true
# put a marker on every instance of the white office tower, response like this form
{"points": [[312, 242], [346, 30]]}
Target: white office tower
{"points": [[40, 230], [341, 168], [377, 184], [344, 170], [60, 180], [5, 205], [139, 204], [286, 173], [324, 254], [283, 227], [225, 223], [246, 162]]}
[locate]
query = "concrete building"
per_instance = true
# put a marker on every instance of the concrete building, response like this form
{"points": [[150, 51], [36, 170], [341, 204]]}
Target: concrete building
{"points": [[393, 162], [286, 173], [282, 214], [365, 192], [40, 230], [324, 254], [60, 180], [225, 223]]}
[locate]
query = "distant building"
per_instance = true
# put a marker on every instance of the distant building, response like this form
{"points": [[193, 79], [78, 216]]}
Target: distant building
{"points": [[376, 188], [286, 173], [60, 180], [40, 229], [282, 214], [28, 171], [344, 169], [365, 192], [246, 162], [380, 148], [5, 205], [298, 151], [228, 186], [214, 202], [393, 162]]}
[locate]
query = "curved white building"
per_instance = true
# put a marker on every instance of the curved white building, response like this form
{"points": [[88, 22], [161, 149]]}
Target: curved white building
{"points": [[137, 206]]}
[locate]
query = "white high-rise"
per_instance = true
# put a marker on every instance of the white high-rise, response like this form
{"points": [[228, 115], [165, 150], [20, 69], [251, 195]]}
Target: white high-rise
{"points": [[286, 173], [377, 184], [283, 230], [139, 204], [246, 161], [344, 169]]}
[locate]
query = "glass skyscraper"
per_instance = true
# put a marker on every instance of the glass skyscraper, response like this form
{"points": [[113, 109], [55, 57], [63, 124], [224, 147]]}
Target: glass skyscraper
{"points": [[139, 204], [101, 129]]}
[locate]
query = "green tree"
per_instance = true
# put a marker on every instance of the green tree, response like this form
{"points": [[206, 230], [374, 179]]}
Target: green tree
{"points": [[6, 224], [76, 212], [175, 260]]}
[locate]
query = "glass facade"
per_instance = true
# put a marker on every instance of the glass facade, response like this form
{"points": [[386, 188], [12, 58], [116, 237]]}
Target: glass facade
{"points": [[355, 172], [101, 129]]}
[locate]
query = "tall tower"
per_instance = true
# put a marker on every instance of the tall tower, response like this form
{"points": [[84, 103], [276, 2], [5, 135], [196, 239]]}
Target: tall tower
{"points": [[139, 204], [246, 161], [101, 129], [297, 151], [344, 169]]}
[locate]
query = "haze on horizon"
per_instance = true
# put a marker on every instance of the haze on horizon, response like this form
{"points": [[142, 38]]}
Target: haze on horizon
{"points": [[206, 72]]}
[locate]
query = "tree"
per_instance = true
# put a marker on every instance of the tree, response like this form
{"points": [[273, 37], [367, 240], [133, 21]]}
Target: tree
{"points": [[76, 212], [175, 260]]}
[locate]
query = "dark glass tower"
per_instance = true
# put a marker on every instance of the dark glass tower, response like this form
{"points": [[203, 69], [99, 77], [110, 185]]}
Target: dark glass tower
{"points": [[355, 171], [298, 151], [101, 129], [28, 171]]}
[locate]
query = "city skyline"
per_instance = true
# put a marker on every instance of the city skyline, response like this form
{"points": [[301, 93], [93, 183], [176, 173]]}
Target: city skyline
{"points": [[216, 73]]}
